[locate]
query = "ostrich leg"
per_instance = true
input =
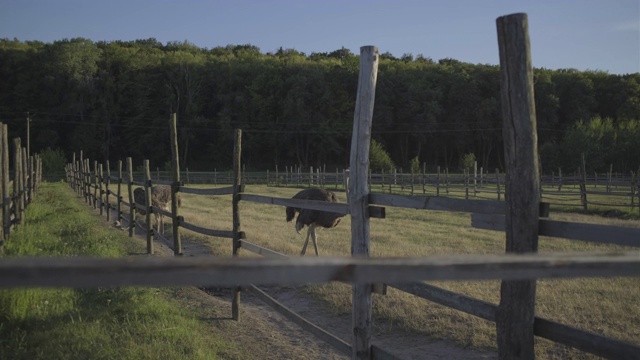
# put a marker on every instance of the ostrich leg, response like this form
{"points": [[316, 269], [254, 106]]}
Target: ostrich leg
{"points": [[313, 237], [310, 232]]}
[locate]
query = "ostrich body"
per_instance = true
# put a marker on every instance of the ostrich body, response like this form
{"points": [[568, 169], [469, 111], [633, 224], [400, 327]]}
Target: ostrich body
{"points": [[313, 218], [161, 198]]}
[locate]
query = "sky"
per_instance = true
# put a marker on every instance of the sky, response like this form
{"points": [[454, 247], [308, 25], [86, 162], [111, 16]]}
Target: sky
{"points": [[601, 35]]}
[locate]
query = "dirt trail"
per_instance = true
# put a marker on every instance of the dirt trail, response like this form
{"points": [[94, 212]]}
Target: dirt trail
{"points": [[262, 333]]}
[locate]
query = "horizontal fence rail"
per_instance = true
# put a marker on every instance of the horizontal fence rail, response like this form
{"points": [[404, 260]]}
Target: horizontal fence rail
{"points": [[80, 272]]}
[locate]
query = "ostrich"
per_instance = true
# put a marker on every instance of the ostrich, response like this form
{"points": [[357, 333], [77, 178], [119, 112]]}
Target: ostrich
{"points": [[313, 218], [161, 198]]}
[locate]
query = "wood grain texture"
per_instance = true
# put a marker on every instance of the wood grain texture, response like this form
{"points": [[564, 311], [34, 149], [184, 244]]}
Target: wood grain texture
{"points": [[522, 184], [358, 195]]}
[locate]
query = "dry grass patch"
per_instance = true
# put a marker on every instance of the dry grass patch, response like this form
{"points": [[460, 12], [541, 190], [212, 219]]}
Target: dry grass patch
{"points": [[606, 306]]}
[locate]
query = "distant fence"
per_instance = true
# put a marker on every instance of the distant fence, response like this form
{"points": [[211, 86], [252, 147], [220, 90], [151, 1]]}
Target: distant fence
{"points": [[610, 190], [514, 317], [17, 189]]}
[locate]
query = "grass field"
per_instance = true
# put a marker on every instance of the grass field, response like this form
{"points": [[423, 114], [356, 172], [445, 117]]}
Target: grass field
{"points": [[105, 323], [606, 306]]}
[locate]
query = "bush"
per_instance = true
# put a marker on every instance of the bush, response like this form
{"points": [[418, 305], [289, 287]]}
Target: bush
{"points": [[379, 159], [467, 161], [53, 160]]}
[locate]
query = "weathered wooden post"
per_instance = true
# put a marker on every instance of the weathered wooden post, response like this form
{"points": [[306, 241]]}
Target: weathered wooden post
{"points": [[498, 182], [583, 182], [438, 181], [515, 315], [100, 190], [237, 181], [17, 181], [107, 182], [132, 203], [3, 179], [148, 205], [475, 179], [6, 196], [119, 206], [25, 178], [358, 195], [95, 183], [31, 178], [175, 185]]}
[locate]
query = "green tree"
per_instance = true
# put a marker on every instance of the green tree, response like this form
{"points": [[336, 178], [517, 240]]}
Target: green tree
{"points": [[53, 160], [379, 159], [467, 161]]}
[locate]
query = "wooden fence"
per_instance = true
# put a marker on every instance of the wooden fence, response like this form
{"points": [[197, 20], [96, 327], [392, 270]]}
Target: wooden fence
{"points": [[17, 189], [519, 215]]}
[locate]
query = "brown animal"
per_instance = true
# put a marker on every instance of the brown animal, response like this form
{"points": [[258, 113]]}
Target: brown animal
{"points": [[161, 198], [313, 218]]}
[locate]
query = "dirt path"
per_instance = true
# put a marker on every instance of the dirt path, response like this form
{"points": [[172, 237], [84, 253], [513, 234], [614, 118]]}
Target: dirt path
{"points": [[262, 333]]}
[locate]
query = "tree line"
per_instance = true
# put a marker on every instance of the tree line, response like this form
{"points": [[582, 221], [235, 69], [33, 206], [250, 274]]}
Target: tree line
{"points": [[113, 99]]}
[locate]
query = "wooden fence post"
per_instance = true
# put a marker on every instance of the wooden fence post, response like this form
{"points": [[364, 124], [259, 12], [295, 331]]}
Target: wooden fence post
{"points": [[438, 182], [17, 186], [95, 184], [25, 178], [148, 205], [100, 181], [175, 186], [107, 181], [498, 182], [237, 181], [475, 179], [119, 207], [6, 196], [583, 182], [515, 315], [3, 179], [31, 178], [359, 197], [132, 204]]}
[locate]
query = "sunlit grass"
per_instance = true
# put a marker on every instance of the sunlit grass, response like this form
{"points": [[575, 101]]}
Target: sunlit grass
{"points": [[606, 306]]}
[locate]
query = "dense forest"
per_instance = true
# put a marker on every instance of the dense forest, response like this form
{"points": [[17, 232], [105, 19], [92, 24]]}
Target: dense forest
{"points": [[114, 99]]}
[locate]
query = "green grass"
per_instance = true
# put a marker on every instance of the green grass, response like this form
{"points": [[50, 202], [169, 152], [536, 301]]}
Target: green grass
{"points": [[104, 323]]}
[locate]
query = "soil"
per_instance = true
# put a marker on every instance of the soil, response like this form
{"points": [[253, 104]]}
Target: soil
{"points": [[262, 333]]}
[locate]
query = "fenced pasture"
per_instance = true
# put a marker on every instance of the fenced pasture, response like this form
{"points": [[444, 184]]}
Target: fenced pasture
{"points": [[614, 194], [610, 303], [431, 226]]}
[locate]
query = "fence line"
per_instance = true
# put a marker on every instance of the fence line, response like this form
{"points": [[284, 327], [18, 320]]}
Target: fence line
{"points": [[365, 271], [19, 190]]}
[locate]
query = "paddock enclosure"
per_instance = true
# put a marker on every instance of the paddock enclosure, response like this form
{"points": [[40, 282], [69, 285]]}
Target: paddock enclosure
{"points": [[522, 216]]}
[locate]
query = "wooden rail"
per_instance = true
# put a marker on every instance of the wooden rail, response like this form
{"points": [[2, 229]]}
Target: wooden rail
{"points": [[83, 272]]}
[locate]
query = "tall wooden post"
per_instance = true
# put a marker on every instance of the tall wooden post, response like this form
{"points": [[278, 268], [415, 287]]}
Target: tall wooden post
{"points": [[95, 184], [25, 178], [132, 204], [119, 204], [358, 195], [6, 196], [583, 182], [107, 182], [515, 315], [148, 205], [175, 186], [100, 181], [17, 186], [237, 179], [3, 179]]}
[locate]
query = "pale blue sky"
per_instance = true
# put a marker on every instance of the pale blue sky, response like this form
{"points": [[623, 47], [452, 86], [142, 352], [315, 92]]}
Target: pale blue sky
{"points": [[581, 34]]}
